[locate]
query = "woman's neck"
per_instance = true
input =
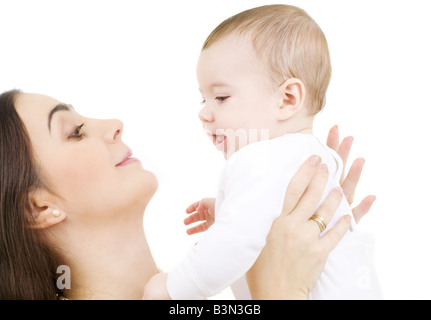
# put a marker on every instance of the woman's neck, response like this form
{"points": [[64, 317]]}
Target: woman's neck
{"points": [[109, 262]]}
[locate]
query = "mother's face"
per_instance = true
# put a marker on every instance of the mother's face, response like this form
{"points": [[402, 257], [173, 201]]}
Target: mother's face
{"points": [[84, 161]]}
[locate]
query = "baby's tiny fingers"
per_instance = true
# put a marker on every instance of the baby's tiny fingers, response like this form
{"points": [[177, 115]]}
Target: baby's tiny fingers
{"points": [[193, 218], [193, 207]]}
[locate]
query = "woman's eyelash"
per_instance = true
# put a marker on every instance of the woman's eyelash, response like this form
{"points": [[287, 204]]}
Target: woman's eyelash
{"points": [[76, 134]]}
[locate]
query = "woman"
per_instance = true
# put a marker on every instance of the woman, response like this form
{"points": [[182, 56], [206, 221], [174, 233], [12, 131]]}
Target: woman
{"points": [[71, 194]]}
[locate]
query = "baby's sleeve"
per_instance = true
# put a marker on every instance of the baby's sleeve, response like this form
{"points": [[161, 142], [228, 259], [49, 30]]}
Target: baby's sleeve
{"points": [[254, 187]]}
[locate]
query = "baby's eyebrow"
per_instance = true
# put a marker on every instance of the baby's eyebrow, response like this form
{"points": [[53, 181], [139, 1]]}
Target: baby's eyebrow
{"points": [[58, 107], [219, 84], [216, 85]]}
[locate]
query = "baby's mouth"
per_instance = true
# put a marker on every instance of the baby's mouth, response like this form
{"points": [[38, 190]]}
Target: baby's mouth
{"points": [[219, 142]]}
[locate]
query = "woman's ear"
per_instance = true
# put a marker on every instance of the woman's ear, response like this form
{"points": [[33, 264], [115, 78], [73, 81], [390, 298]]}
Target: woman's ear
{"points": [[44, 211], [292, 97]]}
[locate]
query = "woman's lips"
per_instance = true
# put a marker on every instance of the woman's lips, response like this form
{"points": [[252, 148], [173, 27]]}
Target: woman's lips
{"points": [[128, 159]]}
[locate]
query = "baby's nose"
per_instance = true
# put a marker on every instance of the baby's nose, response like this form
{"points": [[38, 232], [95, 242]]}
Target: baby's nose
{"points": [[205, 115]]}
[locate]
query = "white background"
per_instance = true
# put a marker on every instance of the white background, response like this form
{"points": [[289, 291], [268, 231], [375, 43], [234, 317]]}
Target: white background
{"points": [[135, 60]]}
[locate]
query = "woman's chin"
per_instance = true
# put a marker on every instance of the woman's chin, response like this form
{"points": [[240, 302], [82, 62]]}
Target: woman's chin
{"points": [[147, 187], [152, 184], [136, 191]]}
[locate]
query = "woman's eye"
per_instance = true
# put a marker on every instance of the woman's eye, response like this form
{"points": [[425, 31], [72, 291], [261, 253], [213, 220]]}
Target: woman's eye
{"points": [[222, 99], [77, 134]]}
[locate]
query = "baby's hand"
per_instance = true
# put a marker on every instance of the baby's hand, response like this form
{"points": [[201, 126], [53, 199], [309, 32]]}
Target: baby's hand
{"points": [[202, 210], [155, 289]]}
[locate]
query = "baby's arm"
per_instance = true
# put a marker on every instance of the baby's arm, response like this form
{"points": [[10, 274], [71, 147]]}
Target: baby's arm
{"points": [[253, 196], [202, 210]]}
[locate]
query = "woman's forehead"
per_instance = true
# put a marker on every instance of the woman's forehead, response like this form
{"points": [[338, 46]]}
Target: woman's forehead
{"points": [[34, 109], [36, 102]]}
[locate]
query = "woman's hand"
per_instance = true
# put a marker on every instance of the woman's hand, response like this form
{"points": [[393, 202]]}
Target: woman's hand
{"points": [[295, 253], [350, 182]]}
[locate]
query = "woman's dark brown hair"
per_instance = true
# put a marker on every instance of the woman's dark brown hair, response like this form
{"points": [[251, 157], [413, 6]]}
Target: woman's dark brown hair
{"points": [[27, 264]]}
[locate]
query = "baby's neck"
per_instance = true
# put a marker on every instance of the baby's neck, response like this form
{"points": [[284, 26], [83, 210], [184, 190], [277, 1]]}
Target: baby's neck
{"points": [[303, 124], [237, 139]]}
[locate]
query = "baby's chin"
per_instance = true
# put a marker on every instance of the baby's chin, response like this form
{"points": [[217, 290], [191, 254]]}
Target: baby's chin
{"points": [[229, 141]]}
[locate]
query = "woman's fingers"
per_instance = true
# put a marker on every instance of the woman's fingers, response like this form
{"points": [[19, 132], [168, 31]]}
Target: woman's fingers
{"points": [[344, 149], [313, 194], [330, 240], [351, 181], [361, 209], [295, 254], [327, 209], [299, 183], [333, 138]]}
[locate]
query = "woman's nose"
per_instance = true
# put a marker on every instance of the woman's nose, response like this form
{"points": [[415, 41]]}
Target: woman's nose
{"points": [[206, 115], [114, 130]]}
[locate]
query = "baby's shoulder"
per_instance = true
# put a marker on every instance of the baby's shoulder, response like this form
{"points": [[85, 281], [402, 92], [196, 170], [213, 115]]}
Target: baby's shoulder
{"points": [[288, 151], [289, 147]]}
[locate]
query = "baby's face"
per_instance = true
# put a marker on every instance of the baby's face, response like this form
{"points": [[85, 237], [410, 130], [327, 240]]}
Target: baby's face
{"points": [[238, 99]]}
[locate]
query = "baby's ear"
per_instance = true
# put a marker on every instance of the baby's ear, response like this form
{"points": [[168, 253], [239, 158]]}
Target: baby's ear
{"points": [[44, 212], [292, 97]]}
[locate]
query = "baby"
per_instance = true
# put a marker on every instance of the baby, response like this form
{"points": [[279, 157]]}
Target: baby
{"points": [[263, 75]]}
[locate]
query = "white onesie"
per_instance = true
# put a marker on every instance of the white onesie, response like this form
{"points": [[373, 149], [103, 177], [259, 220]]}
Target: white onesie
{"points": [[250, 197]]}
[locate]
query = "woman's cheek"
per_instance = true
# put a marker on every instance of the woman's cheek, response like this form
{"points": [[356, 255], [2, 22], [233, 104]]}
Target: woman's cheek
{"points": [[83, 176]]}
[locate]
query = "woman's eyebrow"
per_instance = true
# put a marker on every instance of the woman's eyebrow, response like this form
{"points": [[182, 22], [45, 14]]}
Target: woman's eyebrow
{"points": [[58, 107]]}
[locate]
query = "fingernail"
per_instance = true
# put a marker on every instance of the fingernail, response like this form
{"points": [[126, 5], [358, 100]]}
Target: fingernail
{"points": [[323, 167], [315, 161], [339, 191]]}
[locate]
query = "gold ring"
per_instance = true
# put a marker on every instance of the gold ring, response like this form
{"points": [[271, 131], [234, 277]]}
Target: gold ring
{"points": [[320, 222]]}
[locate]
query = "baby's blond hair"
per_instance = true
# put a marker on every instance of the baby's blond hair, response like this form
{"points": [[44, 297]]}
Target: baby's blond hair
{"points": [[289, 42]]}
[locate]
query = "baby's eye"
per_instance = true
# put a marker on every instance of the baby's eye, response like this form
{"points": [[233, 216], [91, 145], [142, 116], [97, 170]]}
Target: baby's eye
{"points": [[222, 98], [203, 102]]}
